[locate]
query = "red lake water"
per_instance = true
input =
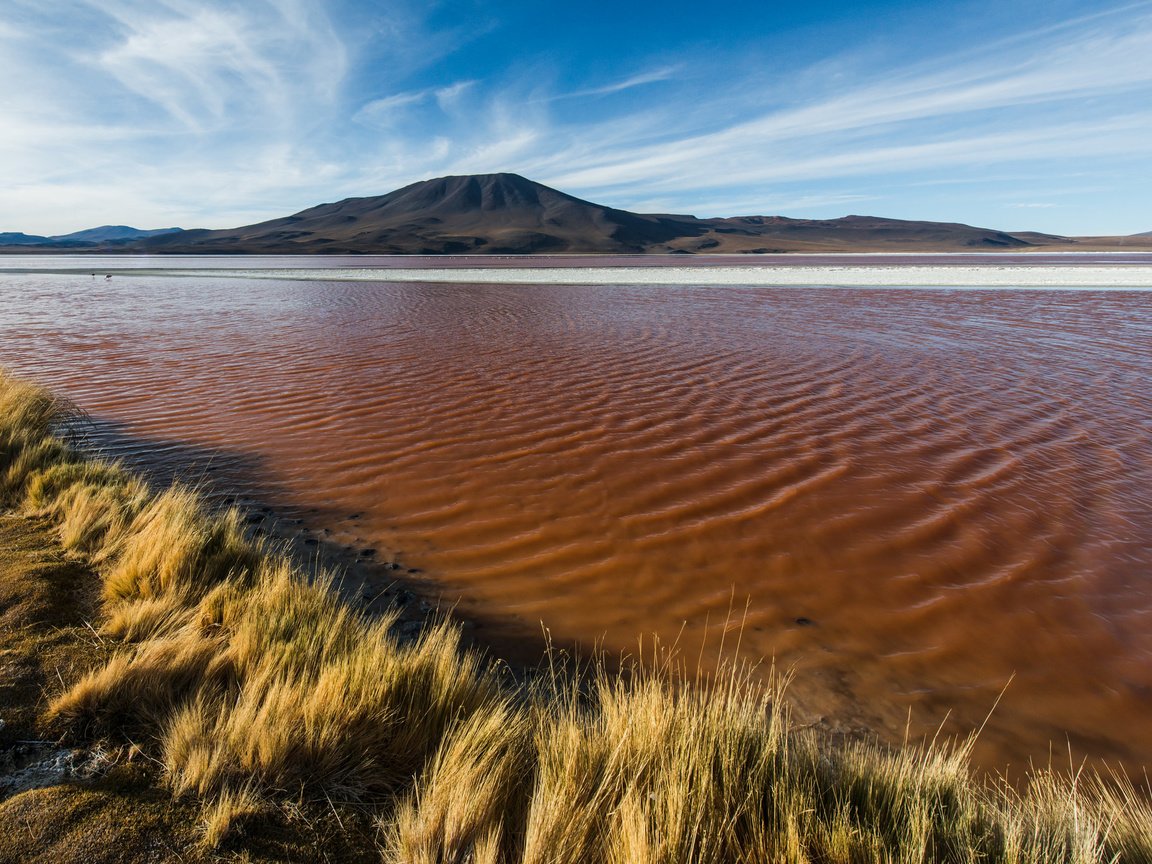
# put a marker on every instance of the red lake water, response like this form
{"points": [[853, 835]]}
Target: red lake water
{"points": [[910, 497]]}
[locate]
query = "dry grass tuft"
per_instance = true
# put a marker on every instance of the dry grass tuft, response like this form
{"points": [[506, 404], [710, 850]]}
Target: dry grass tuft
{"points": [[230, 811], [28, 415], [650, 767], [152, 618], [137, 691], [490, 756], [175, 546], [92, 502], [325, 701]]}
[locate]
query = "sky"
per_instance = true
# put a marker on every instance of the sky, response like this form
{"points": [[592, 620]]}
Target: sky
{"points": [[218, 113]]}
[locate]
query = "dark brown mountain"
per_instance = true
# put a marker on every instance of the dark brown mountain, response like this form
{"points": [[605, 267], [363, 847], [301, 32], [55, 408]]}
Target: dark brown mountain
{"points": [[490, 213], [508, 214]]}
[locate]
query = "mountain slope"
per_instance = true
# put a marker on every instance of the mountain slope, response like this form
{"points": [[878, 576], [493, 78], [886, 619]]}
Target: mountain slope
{"points": [[781, 234], [508, 214], [490, 213]]}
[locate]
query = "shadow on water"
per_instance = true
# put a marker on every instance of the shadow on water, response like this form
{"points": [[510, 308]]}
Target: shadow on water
{"points": [[375, 579]]}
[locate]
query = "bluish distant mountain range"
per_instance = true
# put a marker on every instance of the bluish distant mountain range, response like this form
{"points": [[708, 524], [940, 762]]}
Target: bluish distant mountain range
{"points": [[103, 236]]}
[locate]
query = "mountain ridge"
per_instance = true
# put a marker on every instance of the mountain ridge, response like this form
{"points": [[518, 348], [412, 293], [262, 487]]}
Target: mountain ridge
{"points": [[88, 238], [114, 233], [506, 213], [510, 214]]}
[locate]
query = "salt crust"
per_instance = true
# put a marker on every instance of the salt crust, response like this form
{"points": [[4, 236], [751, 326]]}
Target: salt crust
{"points": [[1091, 277]]}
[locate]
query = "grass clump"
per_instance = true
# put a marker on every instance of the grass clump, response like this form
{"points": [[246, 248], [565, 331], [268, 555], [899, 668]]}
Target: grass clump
{"points": [[472, 798], [259, 690], [652, 767], [318, 700]]}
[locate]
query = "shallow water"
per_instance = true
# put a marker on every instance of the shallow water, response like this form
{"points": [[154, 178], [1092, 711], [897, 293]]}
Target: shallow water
{"points": [[910, 496]]}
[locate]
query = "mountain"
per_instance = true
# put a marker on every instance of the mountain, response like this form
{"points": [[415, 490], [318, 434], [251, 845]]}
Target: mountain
{"points": [[752, 233], [508, 214], [16, 238], [113, 233], [35, 241], [490, 213], [91, 238]]}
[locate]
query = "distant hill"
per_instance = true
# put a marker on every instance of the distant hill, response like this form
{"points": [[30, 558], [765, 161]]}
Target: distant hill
{"points": [[16, 238], [91, 238], [113, 233], [781, 234], [509, 214]]}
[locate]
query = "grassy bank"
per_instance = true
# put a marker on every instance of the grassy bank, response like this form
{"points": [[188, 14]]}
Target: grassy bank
{"points": [[258, 693]]}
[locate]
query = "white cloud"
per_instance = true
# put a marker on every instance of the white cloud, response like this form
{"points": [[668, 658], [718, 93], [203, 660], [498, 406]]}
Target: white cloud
{"points": [[448, 98], [229, 111], [148, 99], [388, 110], [854, 131], [207, 65], [1032, 102], [698, 165], [652, 77]]}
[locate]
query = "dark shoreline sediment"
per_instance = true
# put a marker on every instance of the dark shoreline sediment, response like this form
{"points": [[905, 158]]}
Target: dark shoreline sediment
{"points": [[252, 688]]}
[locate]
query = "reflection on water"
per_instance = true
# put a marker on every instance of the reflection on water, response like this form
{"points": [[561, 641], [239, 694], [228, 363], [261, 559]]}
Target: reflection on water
{"points": [[920, 494]]}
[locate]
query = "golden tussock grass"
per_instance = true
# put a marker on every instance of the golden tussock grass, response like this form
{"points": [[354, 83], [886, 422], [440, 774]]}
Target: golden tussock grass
{"points": [[255, 685]]}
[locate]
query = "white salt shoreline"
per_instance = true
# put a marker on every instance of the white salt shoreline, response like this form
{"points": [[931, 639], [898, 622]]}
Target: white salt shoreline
{"points": [[1079, 277]]}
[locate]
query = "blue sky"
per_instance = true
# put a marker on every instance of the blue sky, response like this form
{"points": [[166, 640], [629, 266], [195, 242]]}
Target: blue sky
{"points": [[207, 113]]}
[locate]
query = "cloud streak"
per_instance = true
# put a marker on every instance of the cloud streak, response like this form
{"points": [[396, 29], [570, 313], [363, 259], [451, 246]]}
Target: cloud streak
{"points": [[644, 78], [229, 112], [1029, 100], [853, 131], [210, 91]]}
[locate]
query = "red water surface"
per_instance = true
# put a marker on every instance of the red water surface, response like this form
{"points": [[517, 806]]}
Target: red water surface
{"points": [[917, 496]]}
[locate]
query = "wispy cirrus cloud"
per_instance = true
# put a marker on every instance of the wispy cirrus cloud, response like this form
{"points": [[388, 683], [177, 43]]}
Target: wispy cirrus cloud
{"points": [[390, 111], [220, 93], [930, 110], [1060, 96], [211, 112], [642, 79], [206, 66]]}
